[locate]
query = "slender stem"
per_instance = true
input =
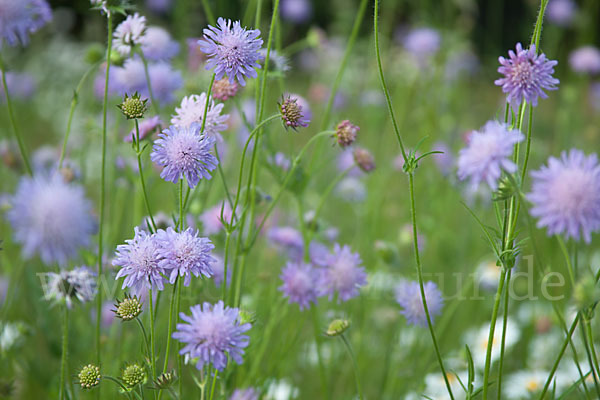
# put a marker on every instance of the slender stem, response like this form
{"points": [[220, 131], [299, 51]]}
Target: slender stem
{"points": [[181, 222], [13, 120], [155, 105], [214, 384], [152, 336], [141, 172], [421, 284], [588, 330], [504, 324], [170, 329], [360, 14], [354, 364], [588, 351], [65, 350], [209, 14], [563, 248], [383, 84], [179, 358], [208, 100], [141, 325], [317, 331], [225, 261], [102, 188], [118, 382], [74, 102]]}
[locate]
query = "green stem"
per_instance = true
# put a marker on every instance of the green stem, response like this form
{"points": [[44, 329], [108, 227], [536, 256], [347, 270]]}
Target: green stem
{"points": [[141, 325], [13, 120], [74, 102], [152, 336], [155, 105], [488, 354], [317, 331], [588, 330], [504, 324], [383, 83], [214, 384], [421, 284], [65, 350], [118, 382], [209, 14], [102, 188], [170, 329], [588, 351], [354, 365], [141, 172], [179, 358]]}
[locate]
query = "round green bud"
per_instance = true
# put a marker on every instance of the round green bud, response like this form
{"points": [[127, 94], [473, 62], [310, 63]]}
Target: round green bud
{"points": [[133, 375], [337, 327], [89, 376], [128, 308], [133, 107]]}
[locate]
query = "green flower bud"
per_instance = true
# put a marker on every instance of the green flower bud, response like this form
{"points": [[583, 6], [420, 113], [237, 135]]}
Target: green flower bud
{"points": [[337, 327], [89, 376], [586, 292], [128, 308], [133, 107], [133, 375]]}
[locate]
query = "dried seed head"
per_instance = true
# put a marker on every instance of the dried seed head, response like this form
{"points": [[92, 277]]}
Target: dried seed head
{"points": [[223, 89], [292, 113], [345, 133], [128, 308], [165, 380], [133, 107], [89, 376], [364, 159]]}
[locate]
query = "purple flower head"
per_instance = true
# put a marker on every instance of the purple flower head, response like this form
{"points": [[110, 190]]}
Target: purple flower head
{"points": [[157, 44], [211, 218], [129, 33], [165, 82], [184, 153], [147, 128], [51, 218], [300, 283], [19, 18], [561, 12], [343, 274], [139, 262], [293, 114], [184, 254], [488, 153], [289, 239], [422, 43], [218, 267], [191, 111], [233, 51], [20, 86], [585, 60], [296, 11], [566, 195], [526, 76], [244, 394], [408, 296], [211, 334]]}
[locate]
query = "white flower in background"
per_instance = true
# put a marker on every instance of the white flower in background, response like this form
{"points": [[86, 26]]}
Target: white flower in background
{"points": [[478, 341], [129, 34], [524, 384], [435, 385]]}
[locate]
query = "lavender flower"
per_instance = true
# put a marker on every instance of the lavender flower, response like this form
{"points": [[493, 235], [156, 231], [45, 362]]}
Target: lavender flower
{"points": [[192, 111], [184, 153], [488, 153], [300, 284], [244, 394], [165, 81], [296, 11], [51, 218], [561, 12], [232, 51], [566, 195], [139, 262], [526, 75], [211, 334], [343, 274], [408, 295], [585, 60], [289, 239], [147, 128], [66, 286], [422, 43], [184, 253], [20, 86], [19, 18], [129, 33], [157, 44]]}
